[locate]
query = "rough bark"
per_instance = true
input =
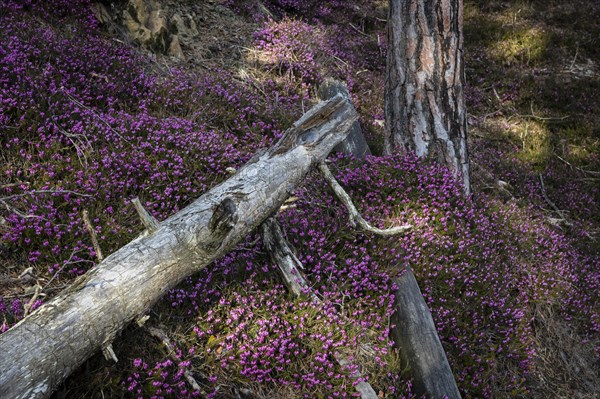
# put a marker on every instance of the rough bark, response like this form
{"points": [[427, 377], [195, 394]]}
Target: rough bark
{"points": [[424, 102], [45, 347], [355, 143], [415, 334]]}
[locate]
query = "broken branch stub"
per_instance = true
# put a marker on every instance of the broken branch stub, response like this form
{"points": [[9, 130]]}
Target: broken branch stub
{"points": [[355, 143], [40, 351]]}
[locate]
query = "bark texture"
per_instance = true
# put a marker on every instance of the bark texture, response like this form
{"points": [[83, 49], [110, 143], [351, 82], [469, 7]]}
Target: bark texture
{"points": [[415, 334], [38, 353], [424, 102]]}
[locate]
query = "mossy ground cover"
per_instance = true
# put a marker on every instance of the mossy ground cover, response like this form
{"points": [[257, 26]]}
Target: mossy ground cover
{"points": [[511, 274]]}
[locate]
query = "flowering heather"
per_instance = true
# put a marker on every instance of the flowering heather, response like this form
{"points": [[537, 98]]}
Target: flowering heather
{"points": [[89, 124], [483, 267], [88, 128], [302, 54], [165, 380], [309, 9]]}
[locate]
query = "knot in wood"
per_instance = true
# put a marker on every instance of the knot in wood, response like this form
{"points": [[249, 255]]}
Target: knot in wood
{"points": [[223, 219]]}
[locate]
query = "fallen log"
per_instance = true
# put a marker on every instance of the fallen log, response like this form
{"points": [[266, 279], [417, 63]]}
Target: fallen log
{"points": [[40, 351], [414, 333]]}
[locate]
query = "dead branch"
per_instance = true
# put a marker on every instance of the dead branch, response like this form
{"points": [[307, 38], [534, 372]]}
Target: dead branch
{"points": [[162, 337], [552, 204], [353, 215], [290, 268], [90, 229]]}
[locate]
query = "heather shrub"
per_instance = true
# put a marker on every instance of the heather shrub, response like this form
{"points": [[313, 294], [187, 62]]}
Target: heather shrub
{"points": [[309, 9], [90, 128], [89, 124], [483, 267]]}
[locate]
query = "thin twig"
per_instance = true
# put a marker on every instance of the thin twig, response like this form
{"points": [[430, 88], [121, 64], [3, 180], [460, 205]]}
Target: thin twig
{"points": [[162, 336], [358, 30], [67, 262], [90, 229], [540, 118], [355, 217], [552, 204], [16, 211], [14, 184], [72, 137], [590, 172], [96, 114], [28, 305], [32, 192], [574, 58]]}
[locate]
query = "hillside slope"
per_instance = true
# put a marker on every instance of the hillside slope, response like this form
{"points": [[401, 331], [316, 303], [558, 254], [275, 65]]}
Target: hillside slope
{"points": [[97, 108]]}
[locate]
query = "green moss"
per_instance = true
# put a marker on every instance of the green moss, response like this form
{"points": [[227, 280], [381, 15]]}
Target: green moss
{"points": [[480, 29], [526, 45], [535, 142]]}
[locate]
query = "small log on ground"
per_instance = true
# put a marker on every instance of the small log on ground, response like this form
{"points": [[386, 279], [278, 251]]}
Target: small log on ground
{"points": [[355, 142], [291, 271], [40, 351], [415, 334]]}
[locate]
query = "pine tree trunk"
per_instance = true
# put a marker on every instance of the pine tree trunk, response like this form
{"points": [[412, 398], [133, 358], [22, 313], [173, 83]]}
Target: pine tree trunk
{"points": [[424, 102], [40, 351]]}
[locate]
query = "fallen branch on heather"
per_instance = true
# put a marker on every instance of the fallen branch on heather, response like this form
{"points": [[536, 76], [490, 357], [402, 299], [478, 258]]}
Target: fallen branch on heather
{"points": [[413, 330], [290, 269], [39, 352], [414, 333], [353, 215]]}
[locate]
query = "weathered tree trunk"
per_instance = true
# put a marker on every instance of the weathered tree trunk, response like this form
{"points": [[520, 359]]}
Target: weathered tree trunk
{"points": [[415, 334], [355, 143], [424, 102], [45, 347]]}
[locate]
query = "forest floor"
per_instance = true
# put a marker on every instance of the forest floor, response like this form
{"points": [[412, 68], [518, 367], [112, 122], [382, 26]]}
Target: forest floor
{"points": [[92, 119]]}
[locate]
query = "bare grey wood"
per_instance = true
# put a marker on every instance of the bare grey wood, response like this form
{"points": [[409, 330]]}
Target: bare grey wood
{"points": [[291, 268], [147, 219], [424, 101], [40, 351], [353, 214], [414, 333], [286, 260], [355, 143]]}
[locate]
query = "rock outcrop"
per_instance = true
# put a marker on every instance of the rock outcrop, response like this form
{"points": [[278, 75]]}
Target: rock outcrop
{"points": [[146, 25], [150, 25], [198, 32]]}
